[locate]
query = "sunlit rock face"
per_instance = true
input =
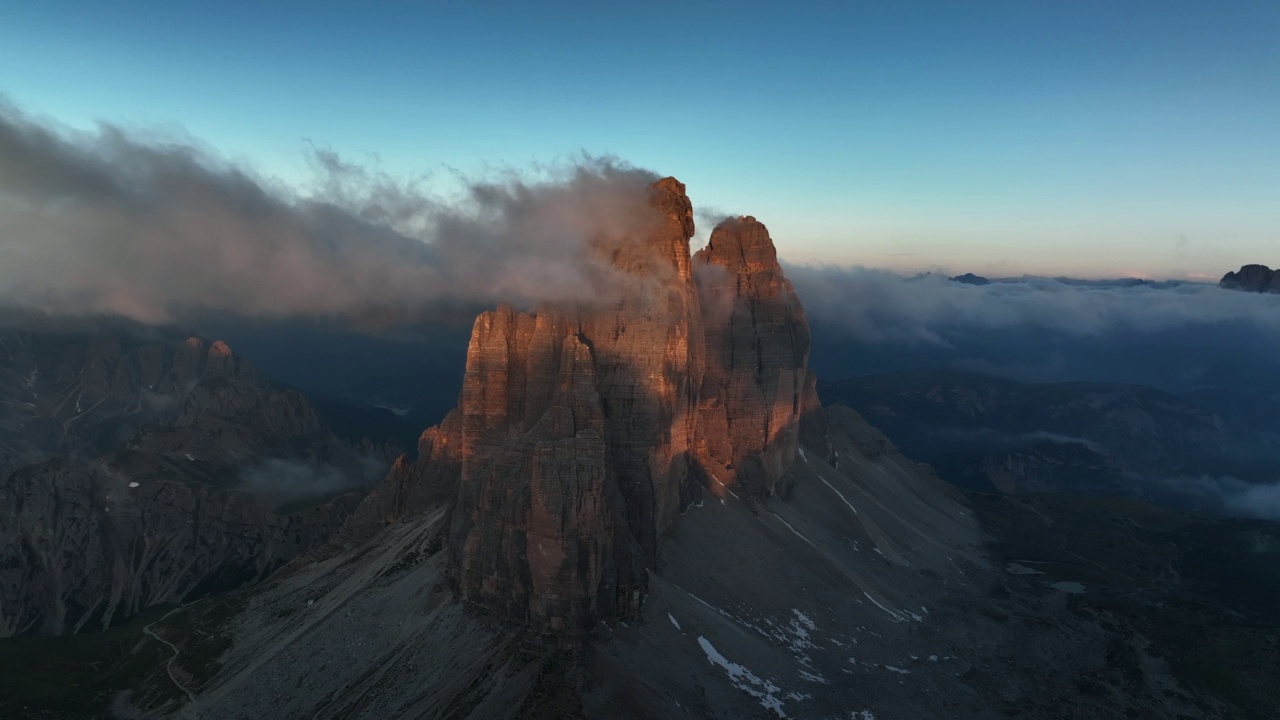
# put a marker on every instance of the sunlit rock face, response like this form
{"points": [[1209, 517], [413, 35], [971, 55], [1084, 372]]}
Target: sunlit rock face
{"points": [[582, 432], [757, 384], [576, 434]]}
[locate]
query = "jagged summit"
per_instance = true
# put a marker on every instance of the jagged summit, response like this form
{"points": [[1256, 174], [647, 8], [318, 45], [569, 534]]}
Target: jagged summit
{"points": [[757, 383], [1252, 278], [581, 434]]}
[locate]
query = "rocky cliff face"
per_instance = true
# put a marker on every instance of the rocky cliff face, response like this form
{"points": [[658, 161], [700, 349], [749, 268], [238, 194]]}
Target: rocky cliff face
{"points": [[757, 384], [582, 432], [76, 396], [1252, 278], [136, 473], [85, 546]]}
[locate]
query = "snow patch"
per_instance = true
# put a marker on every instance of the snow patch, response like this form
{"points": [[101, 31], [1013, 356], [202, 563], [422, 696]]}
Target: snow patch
{"points": [[804, 620], [674, 622], [837, 492], [898, 670], [133, 484], [744, 679], [897, 617], [796, 635], [813, 677], [793, 530]]}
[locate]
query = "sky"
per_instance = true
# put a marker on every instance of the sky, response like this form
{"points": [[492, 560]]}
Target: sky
{"points": [[1090, 138]]}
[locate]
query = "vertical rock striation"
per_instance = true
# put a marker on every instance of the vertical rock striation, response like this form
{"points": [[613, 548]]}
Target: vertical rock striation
{"points": [[757, 383], [581, 432]]}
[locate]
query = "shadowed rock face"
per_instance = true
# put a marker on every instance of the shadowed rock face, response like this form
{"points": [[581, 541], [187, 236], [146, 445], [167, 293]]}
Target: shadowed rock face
{"points": [[581, 432], [76, 396], [122, 477], [83, 546], [757, 383], [1252, 278]]}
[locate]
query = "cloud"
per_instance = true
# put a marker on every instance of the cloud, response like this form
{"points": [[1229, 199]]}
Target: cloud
{"points": [[1175, 336], [992, 440], [1230, 496], [285, 481], [113, 223], [1255, 501], [876, 306]]}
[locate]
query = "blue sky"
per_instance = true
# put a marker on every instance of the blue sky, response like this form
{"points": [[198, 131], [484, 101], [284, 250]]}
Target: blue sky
{"points": [[1089, 138]]}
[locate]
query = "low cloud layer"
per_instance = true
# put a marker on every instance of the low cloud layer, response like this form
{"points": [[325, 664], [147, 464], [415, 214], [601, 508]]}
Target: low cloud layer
{"points": [[112, 223], [1171, 335], [877, 306], [1229, 496], [283, 481]]}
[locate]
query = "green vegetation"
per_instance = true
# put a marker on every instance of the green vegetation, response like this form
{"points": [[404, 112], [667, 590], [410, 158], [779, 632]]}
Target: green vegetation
{"points": [[77, 676]]}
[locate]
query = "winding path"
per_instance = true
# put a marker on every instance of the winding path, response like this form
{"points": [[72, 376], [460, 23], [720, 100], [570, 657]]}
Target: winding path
{"points": [[168, 668]]}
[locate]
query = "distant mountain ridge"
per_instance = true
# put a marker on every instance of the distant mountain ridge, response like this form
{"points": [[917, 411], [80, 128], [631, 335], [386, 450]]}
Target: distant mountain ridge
{"points": [[988, 432], [1121, 282]]}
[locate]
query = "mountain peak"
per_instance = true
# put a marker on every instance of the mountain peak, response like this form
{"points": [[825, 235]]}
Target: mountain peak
{"points": [[670, 197], [1252, 278], [581, 434]]}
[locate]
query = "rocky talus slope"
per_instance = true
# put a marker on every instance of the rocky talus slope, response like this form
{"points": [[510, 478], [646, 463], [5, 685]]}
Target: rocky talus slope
{"points": [[124, 466]]}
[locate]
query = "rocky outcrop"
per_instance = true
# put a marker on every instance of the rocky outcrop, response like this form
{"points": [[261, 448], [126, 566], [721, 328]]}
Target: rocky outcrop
{"points": [[84, 547], [1252, 278], [576, 437], [970, 279], [582, 432], [757, 384], [138, 473]]}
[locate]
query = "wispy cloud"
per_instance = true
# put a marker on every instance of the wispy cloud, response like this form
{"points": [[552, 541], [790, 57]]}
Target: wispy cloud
{"points": [[877, 306], [117, 223]]}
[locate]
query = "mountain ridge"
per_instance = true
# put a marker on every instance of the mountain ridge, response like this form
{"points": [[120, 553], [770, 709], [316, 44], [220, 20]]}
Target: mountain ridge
{"points": [[126, 477]]}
